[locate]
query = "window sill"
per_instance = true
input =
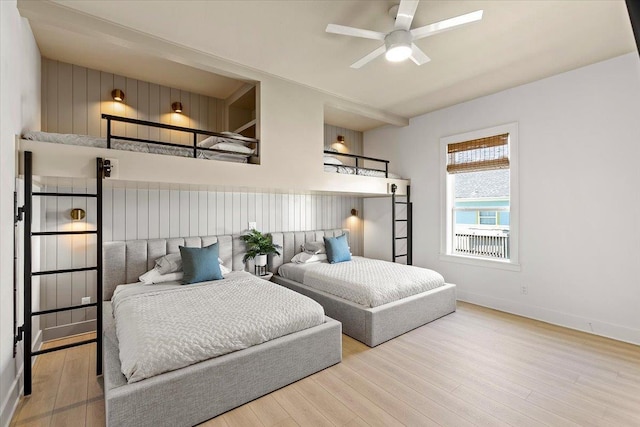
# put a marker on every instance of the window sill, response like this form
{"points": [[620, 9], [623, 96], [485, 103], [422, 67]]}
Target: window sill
{"points": [[481, 262]]}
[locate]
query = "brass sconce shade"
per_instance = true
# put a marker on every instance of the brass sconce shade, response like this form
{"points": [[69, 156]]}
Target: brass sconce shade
{"points": [[177, 107], [77, 214], [117, 95], [354, 212], [341, 139]]}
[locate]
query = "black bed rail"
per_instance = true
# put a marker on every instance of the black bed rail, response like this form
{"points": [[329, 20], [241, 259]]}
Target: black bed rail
{"points": [[194, 132], [358, 158]]}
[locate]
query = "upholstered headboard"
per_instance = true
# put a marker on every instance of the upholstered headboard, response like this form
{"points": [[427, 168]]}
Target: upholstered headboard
{"points": [[292, 240], [125, 261]]}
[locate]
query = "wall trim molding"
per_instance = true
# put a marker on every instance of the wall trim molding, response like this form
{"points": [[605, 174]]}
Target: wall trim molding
{"points": [[17, 386], [578, 323], [64, 331]]}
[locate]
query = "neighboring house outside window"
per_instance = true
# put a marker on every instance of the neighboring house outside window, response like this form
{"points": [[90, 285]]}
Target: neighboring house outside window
{"points": [[480, 180]]}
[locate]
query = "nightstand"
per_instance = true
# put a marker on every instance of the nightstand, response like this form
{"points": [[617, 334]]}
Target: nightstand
{"points": [[268, 276]]}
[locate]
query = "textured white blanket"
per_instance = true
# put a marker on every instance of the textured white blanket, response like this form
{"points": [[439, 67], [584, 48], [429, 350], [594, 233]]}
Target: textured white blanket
{"points": [[165, 327], [369, 282]]}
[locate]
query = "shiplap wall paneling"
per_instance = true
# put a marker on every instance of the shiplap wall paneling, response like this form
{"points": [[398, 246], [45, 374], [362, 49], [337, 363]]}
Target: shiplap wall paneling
{"points": [[75, 97], [60, 252], [142, 213], [352, 140]]}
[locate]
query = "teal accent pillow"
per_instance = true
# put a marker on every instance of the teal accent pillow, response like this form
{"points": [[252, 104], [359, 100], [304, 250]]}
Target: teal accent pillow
{"points": [[337, 249], [200, 264]]}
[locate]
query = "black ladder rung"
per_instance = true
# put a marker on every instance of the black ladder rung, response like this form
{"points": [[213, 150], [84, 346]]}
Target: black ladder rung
{"points": [[56, 310], [400, 256], [63, 347], [401, 220], [49, 194], [401, 203], [63, 233], [400, 238], [67, 270]]}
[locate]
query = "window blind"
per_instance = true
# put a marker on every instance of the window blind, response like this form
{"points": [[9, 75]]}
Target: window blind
{"points": [[481, 154]]}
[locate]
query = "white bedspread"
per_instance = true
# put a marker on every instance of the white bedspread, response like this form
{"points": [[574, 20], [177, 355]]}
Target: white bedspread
{"points": [[369, 282], [165, 327]]}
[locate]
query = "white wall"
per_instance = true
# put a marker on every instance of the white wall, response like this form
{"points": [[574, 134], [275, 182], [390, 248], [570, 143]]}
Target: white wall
{"points": [[19, 110], [579, 139]]}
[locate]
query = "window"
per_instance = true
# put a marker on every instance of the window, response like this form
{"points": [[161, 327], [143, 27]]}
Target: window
{"points": [[480, 196]]}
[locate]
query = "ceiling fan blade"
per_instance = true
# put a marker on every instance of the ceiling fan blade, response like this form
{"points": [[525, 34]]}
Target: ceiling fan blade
{"points": [[354, 32], [447, 24], [370, 57], [418, 56], [406, 11]]}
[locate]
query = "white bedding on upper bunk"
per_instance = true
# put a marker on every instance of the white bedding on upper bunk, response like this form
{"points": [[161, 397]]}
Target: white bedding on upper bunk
{"points": [[165, 327], [141, 147], [350, 170], [365, 281]]}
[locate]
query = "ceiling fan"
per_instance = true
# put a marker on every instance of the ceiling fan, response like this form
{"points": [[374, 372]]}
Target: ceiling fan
{"points": [[399, 43]]}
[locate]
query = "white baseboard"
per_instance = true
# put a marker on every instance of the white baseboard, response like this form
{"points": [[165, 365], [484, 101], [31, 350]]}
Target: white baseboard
{"points": [[63, 331], [592, 326], [17, 387]]}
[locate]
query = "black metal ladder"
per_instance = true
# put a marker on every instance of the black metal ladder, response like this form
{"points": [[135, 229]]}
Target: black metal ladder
{"points": [[25, 331], [395, 221]]}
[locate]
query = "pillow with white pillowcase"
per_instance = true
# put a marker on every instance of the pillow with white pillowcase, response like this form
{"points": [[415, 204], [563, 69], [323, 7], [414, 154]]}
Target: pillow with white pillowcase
{"points": [[172, 263], [233, 147], [316, 247], [306, 258], [154, 276]]}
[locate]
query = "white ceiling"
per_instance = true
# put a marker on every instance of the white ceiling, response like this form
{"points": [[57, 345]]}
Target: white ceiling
{"points": [[515, 43]]}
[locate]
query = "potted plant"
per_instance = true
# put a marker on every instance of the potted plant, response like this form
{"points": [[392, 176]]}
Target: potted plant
{"points": [[258, 247]]}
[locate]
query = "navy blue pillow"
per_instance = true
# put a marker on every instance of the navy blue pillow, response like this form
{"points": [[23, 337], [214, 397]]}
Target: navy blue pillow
{"points": [[200, 264], [337, 249]]}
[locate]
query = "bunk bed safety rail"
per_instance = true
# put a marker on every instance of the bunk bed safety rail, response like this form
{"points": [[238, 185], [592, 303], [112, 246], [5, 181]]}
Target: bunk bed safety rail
{"points": [[194, 132], [358, 158]]}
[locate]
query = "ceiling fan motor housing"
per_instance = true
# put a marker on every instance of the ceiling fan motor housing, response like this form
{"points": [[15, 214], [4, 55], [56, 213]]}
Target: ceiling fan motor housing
{"points": [[398, 38]]}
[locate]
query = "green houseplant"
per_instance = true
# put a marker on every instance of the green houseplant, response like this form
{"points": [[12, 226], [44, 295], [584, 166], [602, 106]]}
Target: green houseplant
{"points": [[258, 247]]}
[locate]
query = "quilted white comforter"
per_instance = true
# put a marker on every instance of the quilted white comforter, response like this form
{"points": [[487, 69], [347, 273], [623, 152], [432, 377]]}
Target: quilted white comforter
{"points": [[165, 327], [368, 282]]}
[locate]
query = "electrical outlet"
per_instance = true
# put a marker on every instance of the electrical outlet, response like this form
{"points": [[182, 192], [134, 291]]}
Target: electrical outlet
{"points": [[86, 300], [253, 225], [525, 290]]}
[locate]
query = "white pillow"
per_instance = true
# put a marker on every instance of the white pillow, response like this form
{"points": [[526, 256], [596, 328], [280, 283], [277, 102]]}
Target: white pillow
{"points": [[305, 258], [331, 160], [208, 142], [234, 148], [154, 276]]}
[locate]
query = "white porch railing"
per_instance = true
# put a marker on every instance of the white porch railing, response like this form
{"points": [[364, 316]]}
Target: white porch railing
{"points": [[481, 240]]}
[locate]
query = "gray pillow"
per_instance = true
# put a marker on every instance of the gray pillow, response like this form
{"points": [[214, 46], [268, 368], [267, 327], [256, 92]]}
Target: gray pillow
{"points": [[169, 263], [314, 248]]}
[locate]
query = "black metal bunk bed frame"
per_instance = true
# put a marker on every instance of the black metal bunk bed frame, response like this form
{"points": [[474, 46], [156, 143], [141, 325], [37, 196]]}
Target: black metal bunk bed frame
{"points": [[357, 157], [25, 331], [408, 220], [195, 132]]}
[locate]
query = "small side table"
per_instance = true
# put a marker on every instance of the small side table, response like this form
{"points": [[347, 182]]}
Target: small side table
{"points": [[267, 277]]}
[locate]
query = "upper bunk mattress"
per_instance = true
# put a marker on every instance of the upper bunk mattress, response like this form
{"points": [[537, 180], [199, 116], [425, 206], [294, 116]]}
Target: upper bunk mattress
{"points": [[365, 281], [168, 326], [350, 170]]}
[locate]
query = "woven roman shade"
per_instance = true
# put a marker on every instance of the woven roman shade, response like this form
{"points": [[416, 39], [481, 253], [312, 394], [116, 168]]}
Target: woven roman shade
{"points": [[481, 154]]}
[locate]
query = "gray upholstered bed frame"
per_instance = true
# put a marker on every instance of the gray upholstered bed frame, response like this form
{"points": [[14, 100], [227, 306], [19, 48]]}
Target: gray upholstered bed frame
{"points": [[194, 394], [371, 326]]}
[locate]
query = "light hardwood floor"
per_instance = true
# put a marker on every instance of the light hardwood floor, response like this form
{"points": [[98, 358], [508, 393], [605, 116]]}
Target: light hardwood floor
{"points": [[474, 367]]}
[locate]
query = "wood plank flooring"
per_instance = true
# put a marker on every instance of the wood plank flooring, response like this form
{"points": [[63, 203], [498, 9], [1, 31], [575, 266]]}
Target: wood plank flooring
{"points": [[474, 367]]}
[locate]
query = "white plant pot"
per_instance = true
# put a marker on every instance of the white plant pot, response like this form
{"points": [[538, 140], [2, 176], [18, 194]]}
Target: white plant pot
{"points": [[260, 260]]}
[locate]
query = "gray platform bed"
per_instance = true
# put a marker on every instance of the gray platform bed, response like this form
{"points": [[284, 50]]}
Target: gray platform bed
{"points": [[372, 326], [194, 394]]}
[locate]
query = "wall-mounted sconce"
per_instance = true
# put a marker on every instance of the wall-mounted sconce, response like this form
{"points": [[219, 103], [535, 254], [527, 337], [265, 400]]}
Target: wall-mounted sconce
{"points": [[340, 139], [77, 214], [117, 95], [354, 212], [177, 107]]}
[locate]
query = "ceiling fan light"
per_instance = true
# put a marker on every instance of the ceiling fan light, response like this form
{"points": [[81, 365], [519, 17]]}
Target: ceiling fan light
{"points": [[398, 53]]}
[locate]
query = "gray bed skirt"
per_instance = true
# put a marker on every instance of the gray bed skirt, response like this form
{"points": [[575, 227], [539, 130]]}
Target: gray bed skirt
{"points": [[194, 394], [373, 326]]}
